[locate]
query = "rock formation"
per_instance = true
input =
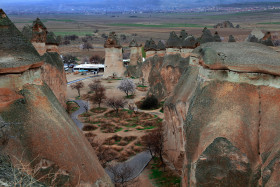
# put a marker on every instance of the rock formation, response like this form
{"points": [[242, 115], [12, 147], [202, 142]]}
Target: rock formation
{"points": [[51, 43], [256, 34], [222, 114], [150, 48], [135, 53], [53, 73], [206, 36], [39, 36], [266, 40], [161, 49], [231, 38], [183, 35], [225, 24], [217, 37], [173, 44], [43, 135], [113, 57]]}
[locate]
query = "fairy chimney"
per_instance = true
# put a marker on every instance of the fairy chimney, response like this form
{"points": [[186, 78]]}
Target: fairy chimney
{"points": [[150, 48], [135, 52], [39, 36], [113, 57]]}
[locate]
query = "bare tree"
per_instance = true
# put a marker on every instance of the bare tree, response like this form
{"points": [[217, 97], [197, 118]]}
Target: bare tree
{"points": [[87, 46], [99, 95], [121, 173], [154, 142], [116, 103], [96, 59], [95, 85], [78, 86], [127, 85]]}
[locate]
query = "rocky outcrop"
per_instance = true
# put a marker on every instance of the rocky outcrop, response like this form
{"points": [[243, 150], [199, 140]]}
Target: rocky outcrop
{"points": [[41, 134], [135, 53], [150, 48], [54, 76], [217, 37], [163, 73], [234, 57], [112, 41], [39, 36], [206, 36], [221, 119], [231, 38], [226, 24]]}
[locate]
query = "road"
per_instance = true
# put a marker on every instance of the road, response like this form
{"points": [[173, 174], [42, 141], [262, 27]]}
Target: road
{"points": [[136, 163], [78, 80], [81, 110]]}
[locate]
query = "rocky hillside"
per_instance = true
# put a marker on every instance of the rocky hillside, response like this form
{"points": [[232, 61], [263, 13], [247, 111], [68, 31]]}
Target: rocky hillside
{"points": [[39, 132], [222, 114]]}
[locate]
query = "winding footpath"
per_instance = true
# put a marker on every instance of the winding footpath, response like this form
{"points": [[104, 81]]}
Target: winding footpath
{"points": [[136, 163]]}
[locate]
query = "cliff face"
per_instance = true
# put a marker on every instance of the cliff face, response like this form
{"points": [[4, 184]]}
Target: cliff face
{"points": [[40, 132], [222, 116], [54, 76], [163, 73]]}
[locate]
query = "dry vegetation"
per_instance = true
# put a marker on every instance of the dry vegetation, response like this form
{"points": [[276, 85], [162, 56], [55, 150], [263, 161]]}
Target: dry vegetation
{"points": [[119, 135]]}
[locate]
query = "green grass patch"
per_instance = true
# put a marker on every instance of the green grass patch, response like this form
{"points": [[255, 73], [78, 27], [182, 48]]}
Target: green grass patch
{"points": [[142, 86], [129, 111], [74, 109], [95, 122], [146, 128], [130, 96], [131, 126], [98, 110], [58, 20], [162, 178], [138, 144], [86, 114], [118, 130], [78, 33], [126, 130], [166, 25], [269, 23]]}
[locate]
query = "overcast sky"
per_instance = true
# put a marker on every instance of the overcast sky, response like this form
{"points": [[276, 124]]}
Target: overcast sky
{"points": [[123, 3]]}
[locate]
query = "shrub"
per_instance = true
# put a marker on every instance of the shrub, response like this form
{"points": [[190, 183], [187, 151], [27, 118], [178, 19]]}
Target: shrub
{"points": [[150, 102]]}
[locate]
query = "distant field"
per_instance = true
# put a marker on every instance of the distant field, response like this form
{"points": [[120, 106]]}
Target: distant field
{"points": [[269, 23], [78, 33], [155, 26], [59, 20]]}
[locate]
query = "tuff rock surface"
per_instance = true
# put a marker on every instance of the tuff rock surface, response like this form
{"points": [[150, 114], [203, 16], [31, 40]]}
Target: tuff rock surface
{"points": [[40, 132], [221, 114]]}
